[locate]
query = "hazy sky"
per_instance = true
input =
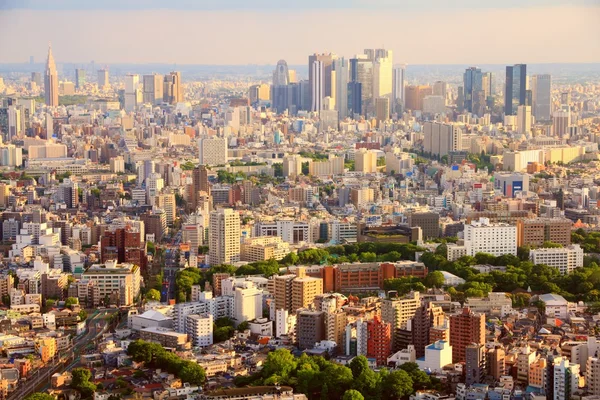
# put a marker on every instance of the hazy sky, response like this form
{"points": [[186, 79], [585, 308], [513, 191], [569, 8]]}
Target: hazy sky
{"points": [[264, 31]]}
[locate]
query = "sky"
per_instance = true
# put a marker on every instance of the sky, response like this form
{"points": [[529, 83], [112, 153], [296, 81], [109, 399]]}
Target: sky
{"points": [[240, 32]]}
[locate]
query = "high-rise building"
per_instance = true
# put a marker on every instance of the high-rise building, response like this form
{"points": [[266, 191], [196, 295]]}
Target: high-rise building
{"points": [[398, 312], [466, 328], [317, 85], [566, 379], [342, 74], [51, 81], [534, 232], [199, 184], [382, 109], [310, 328], [398, 87], [213, 150], [79, 78], [414, 96], [524, 119], [36, 78], [426, 317], [354, 98], [440, 88], [542, 97], [361, 71], [283, 291], [172, 89], [515, 91], [592, 375], [485, 237], [379, 340], [133, 92], [247, 300], [281, 75], [472, 84], [440, 139], [224, 237], [153, 89], [561, 120], [326, 75], [305, 289], [497, 362], [475, 363], [382, 74], [103, 79]]}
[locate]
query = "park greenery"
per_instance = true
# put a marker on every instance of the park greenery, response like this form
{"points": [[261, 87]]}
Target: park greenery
{"points": [[318, 378], [154, 355]]}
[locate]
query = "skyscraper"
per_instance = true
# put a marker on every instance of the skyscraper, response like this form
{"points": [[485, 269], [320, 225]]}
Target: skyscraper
{"points": [[133, 92], [382, 109], [354, 98], [414, 96], [51, 81], [224, 237], [398, 86], [542, 100], [327, 66], [102, 79], [281, 75], [153, 89], [317, 85], [524, 119], [340, 66], [172, 90], [382, 74], [516, 87], [361, 71], [472, 84], [79, 78]]}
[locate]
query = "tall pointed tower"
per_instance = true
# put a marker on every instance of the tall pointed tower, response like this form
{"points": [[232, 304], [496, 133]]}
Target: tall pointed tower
{"points": [[51, 80]]}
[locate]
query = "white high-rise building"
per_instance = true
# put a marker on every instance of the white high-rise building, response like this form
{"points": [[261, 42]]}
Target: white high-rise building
{"points": [[199, 328], [484, 237], [342, 71], [224, 237], [398, 85], [247, 300], [541, 86], [566, 379], [154, 184], [318, 88], [212, 151], [440, 138], [133, 92], [565, 259], [14, 122], [592, 375], [11, 156], [524, 119]]}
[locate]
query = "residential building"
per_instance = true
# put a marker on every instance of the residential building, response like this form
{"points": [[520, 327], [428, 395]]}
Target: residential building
{"points": [[379, 341], [224, 237], [466, 328]]}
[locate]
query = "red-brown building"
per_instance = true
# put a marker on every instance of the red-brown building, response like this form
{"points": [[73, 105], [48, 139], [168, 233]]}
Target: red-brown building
{"points": [[379, 340]]}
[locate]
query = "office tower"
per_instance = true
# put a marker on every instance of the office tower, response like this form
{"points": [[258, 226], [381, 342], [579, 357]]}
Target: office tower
{"points": [[260, 92], [172, 90], [212, 150], [426, 317], [475, 363], [542, 97], [281, 75], [379, 340], [37, 78], [153, 89], [361, 71], [310, 328], [414, 96], [103, 79], [440, 88], [487, 84], [382, 74], [515, 89], [398, 87], [317, 85], [497, 362], [460, 99], [561, 120], [325, 75], [566, 379], [79, 78], [51, 81], [224, 237], [133, 92], [305, 289], [342, 74], [285, 97], [354, 98], [524, 119], [439, 139], [382, 109], [472, 84], [466, 328]]}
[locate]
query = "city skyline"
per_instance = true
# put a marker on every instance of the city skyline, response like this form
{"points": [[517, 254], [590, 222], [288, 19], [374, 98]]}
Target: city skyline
{"points": [[460, 35]]}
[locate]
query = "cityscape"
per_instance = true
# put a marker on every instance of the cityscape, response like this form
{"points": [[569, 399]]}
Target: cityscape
{"points": [[378, 223]]}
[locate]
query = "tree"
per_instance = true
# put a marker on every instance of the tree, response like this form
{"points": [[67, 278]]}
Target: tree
{"points": [[397, 384], [419, 378], [150, 247], [80, 376], [153, 295], [279, 362], [358, 365], [242, 326], [82, 315], [352, 394], [71, 301], [434, 279], [39, 396]]}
